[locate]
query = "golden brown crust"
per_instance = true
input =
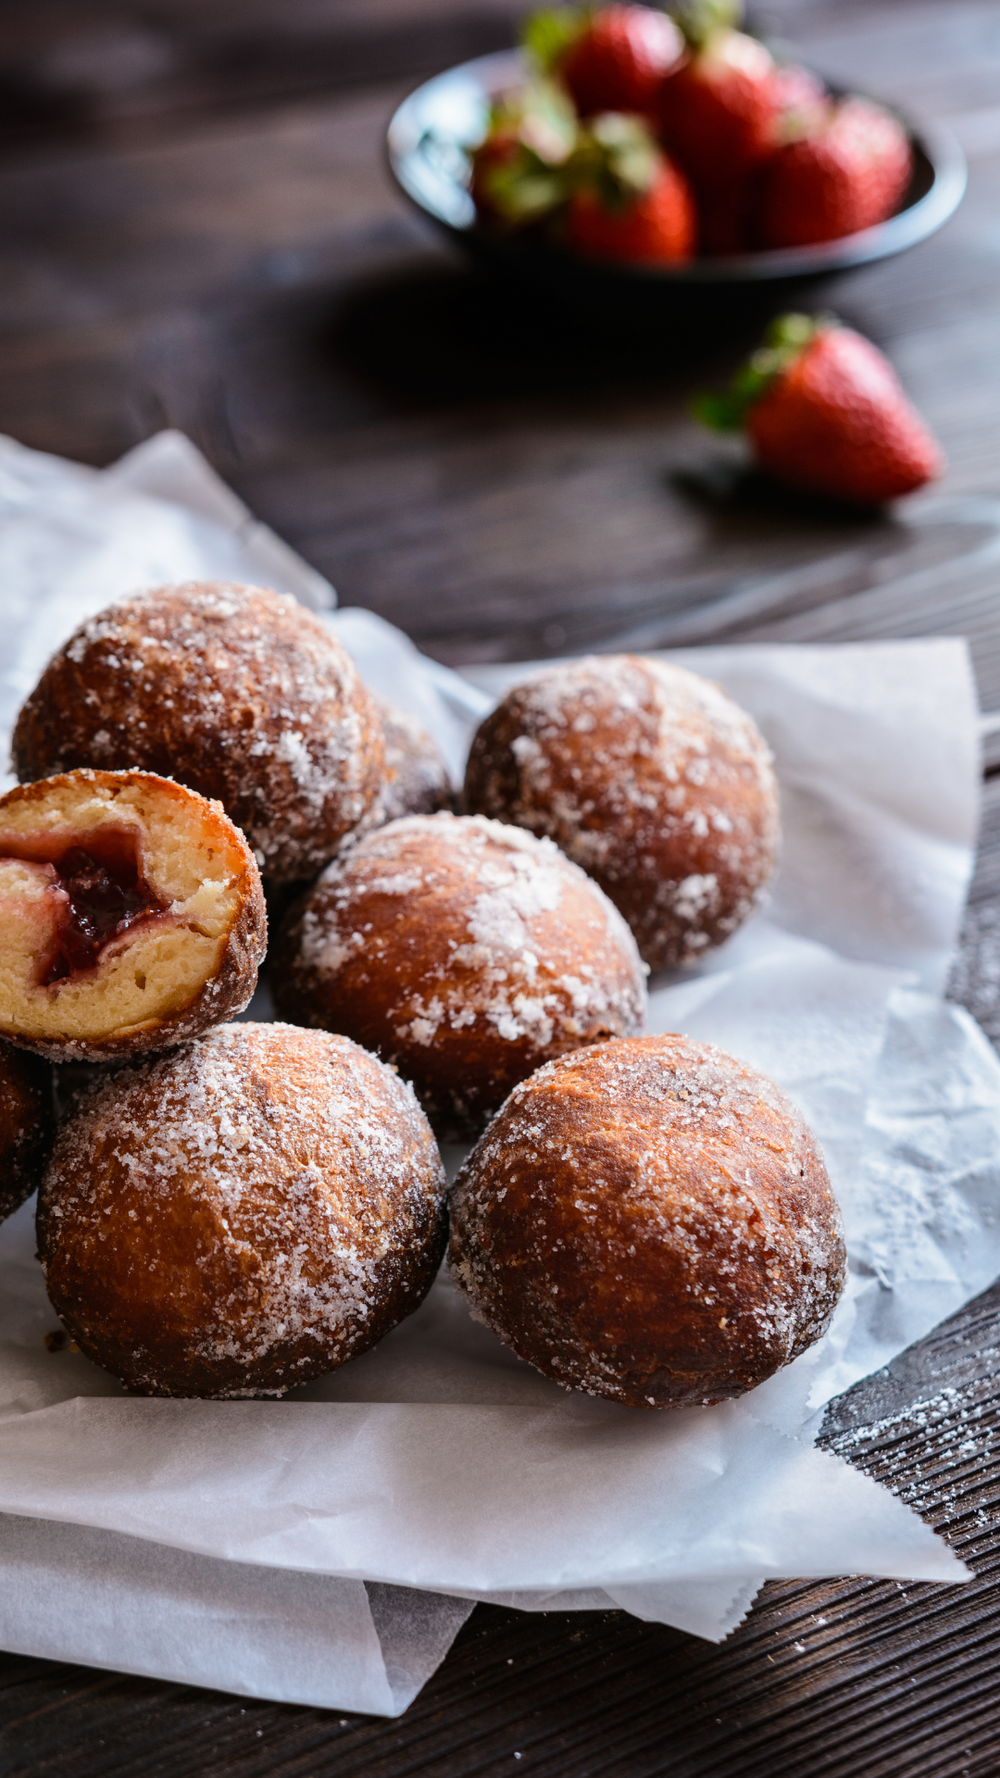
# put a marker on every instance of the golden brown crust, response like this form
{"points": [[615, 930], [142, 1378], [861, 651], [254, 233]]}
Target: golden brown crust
{"points": [[416, 772], [196, 967], [649, 777], [651, 1221], [237, 692], [241, 1215], [26, 1122], [465, 953]]}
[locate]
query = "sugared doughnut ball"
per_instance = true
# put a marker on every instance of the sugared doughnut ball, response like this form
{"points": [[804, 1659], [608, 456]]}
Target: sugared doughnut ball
{"points": [[464, 952], [131, 915], [241, 1215], [25, 1125], [649, 777], [416, 773], [238, 692], [651, 1221]]}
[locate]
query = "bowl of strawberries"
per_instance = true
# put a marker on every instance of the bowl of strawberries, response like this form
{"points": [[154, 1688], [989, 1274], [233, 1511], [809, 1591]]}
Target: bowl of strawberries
{"points": [[624, 147]]}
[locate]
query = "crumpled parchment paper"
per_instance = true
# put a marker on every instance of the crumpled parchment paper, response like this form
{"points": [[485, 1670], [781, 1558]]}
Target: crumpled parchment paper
{"points": [[325, 1548]]}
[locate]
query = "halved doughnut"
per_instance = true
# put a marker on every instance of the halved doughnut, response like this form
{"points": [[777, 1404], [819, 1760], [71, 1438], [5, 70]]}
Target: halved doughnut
{"points": [[131, 915]]}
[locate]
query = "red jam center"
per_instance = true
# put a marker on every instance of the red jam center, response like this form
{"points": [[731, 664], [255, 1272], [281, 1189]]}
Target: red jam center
{"points": [[104, 901], [104, 893]]}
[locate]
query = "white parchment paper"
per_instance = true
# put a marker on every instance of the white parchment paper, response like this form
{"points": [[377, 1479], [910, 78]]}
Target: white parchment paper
{"points": [[324, 1548]]}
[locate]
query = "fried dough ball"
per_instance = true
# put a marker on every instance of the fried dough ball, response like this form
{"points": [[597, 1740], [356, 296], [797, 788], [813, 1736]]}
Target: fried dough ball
{"points": [[648, 776], [241, 1215], [131, 915], [466, 953], [416, 774], [651, 1221], [25, 1125], [237, 691]]}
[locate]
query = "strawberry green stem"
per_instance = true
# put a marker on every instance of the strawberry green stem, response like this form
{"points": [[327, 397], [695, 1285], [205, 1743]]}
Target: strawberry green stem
{"points": [[617, 157], [547, 35], [701, 20]]}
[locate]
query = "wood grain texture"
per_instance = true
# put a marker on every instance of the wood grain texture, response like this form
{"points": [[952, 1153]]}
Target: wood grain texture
{"points": [[108, 71], [196, 230], [256, 281]]}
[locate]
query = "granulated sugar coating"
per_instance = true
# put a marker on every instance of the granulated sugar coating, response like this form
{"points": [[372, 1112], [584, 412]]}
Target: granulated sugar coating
{"points": [[241, 1215], [648, 776], [649, 1220], [466, 953], [236, 691]]}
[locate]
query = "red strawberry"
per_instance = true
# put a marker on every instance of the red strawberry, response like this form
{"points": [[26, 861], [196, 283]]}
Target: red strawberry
{"points": [[717, 111], [619, 60], [826, 412], [725, 214], [518, 172], [659, 226], [848, 173], [727, 210], [629, 201]]}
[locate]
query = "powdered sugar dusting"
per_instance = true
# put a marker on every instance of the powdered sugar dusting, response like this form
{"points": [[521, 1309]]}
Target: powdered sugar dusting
{"points": [[492, 933], [651, 779], [239, 692]]}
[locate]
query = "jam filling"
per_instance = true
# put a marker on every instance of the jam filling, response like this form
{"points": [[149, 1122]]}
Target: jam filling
{"points": [[103, 894]]}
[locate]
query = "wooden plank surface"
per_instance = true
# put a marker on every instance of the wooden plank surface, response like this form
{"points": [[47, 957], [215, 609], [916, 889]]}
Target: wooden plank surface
{"points": [[196, 229]]}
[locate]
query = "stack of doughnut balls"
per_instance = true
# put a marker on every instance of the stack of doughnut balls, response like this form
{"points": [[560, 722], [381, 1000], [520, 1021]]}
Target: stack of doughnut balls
{"points": [[229, 1208]]}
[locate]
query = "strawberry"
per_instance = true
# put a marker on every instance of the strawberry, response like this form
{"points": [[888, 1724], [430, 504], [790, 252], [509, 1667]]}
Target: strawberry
{"points": [[717, 110], [657, 227], [725, 215], [619, 60], [826, 412], [518, 173], [629, 202], [847, 172], [727, 209]]}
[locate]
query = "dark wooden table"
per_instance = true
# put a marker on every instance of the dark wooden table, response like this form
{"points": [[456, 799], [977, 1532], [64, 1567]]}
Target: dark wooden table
{"points": [[196, 230]]}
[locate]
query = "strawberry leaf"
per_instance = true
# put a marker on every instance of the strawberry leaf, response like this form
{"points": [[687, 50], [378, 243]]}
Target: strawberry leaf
{"points": [[720, 413], [542, 115], [547, 35], [617, 158], [630, 152], [700, 20], [525, 189]]}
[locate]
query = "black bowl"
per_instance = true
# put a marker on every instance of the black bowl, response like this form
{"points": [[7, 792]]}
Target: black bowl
{"points": [[431, 132]]}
